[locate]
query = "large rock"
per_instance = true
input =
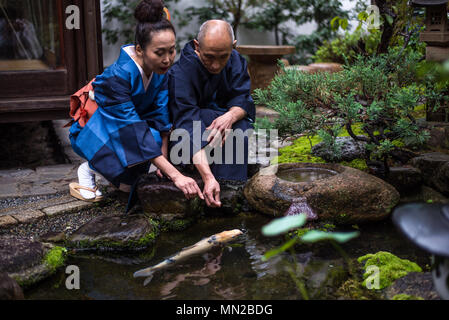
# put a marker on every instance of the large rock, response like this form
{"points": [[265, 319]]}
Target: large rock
{"points": [[425, 194], [106, 233], [9, 288], [435, 170], [406, 180], [416, 284], [350, 150], [348, 196], [162, 200], [439, 134], [28, 261]]}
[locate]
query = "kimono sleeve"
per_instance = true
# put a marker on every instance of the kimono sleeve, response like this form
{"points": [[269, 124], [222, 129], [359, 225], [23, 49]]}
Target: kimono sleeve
{"points": [[184, 109], [159, 118], [119, 126], [240, 84]]}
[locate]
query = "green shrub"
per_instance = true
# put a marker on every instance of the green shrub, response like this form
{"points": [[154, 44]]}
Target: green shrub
{"points": [[380, 93]]}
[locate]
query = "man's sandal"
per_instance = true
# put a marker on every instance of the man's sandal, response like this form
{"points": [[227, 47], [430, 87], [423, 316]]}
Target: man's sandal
{"points": [[74, 191]]}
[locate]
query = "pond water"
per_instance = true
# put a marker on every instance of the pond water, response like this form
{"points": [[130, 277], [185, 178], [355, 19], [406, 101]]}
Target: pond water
{"points": [[236, 273], [305, 174]]}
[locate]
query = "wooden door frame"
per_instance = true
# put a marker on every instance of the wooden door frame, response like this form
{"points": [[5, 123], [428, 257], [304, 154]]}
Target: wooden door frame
{"points": [[82, 53]]}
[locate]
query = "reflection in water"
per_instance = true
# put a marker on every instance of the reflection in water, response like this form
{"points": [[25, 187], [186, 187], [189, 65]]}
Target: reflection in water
{"points": [[256, 250], [211, 266], [305, 174]]}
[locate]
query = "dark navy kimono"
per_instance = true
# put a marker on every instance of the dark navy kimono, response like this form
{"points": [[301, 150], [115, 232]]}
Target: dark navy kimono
{"points": [[124, 133], [197, 95]]}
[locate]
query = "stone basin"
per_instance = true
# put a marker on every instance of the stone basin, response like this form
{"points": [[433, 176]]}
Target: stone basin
{"points": [[334, 192], [263, 61], [305, 174]]}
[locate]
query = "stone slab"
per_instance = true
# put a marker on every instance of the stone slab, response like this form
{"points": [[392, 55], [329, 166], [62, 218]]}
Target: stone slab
{"points": [[6, 221], [29, 216], [70, 206]]}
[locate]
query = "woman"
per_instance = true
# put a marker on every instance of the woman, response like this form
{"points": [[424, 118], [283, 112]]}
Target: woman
{"points": [[130, 128]]}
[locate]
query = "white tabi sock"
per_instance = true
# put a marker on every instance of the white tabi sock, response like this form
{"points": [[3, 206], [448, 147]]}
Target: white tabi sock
{"points": [[86, 178]]}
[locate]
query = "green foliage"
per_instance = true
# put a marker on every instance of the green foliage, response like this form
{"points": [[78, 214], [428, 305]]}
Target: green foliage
{"points": [[343, 49], [321, 12], [390, 267], [119, 23], [235, 12], [284, 224], [317, 235], [403, 28], [380, 93], [272, 15]]}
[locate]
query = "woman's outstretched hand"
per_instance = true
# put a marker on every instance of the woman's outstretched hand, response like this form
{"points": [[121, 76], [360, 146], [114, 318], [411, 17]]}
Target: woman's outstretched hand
{"points": [[188, 186]]}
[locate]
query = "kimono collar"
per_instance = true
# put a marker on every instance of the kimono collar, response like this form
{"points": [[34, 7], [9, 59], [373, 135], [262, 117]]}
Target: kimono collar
{"points": [[126, 54]]}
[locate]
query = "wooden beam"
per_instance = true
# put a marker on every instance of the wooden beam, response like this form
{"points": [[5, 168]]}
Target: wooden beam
{"points": [[34, 109]]}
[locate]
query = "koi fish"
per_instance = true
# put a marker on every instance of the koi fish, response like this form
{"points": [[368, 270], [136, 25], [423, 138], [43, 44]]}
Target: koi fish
{"points": [[200, 247]]}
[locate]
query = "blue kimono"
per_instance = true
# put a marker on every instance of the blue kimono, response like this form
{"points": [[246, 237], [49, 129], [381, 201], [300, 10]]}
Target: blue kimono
{"points": [[197, 95], [124, 133]]}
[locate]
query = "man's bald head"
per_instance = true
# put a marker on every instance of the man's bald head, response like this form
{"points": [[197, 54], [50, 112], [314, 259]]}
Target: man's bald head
{"points": [[214, 44], [216, 30]]}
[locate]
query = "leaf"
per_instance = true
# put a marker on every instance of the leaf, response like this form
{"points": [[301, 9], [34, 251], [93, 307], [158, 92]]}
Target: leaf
{"points": [[341, 237], [335, 23], [282, 225], [362, 16], [273, 252], [389, 19], [344, 23]]}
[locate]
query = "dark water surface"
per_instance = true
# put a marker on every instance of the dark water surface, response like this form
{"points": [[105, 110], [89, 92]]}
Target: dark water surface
{"points": [[305, 174], [222, 273]]}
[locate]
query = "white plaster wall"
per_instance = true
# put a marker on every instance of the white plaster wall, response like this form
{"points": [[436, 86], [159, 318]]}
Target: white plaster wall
{"points": [[245, 36]]}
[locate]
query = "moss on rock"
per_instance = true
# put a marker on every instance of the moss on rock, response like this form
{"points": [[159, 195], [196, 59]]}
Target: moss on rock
{"points": [[55, 258], [301, 151], [390, 267], [403, 296]]}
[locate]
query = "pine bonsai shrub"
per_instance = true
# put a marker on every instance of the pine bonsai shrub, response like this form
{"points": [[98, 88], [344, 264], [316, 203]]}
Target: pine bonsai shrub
{"points": [[377, 93]]}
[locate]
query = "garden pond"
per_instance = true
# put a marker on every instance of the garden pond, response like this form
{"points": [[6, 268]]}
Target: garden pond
{"points": [[234, 272]]}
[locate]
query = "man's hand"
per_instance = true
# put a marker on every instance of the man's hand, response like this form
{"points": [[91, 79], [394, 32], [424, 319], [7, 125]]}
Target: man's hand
{"points": [[219, 129], [221, 126], [212, 193]]}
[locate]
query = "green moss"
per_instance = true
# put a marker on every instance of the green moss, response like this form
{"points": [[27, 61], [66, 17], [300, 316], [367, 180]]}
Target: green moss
{"points": [[359, 164], [176, 224], [55, 258], [403, 296], [302, 231], [301, 151], [419, 111], [328, 227], [390, 267], [352, 289], [144, 242]]}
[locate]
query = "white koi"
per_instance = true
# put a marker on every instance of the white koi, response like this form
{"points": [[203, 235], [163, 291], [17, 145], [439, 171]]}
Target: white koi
{"points": [[200, 247]]}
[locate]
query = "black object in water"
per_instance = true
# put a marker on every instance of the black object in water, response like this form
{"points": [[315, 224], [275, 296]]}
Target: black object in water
{"points": [[426, 225]]}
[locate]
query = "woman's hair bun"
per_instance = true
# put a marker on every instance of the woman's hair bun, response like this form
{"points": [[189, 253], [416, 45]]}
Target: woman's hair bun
{"points": [[149, 11]]}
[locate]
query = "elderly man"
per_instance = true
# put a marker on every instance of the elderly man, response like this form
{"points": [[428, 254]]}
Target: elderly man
{"points": [[209, 89]]}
